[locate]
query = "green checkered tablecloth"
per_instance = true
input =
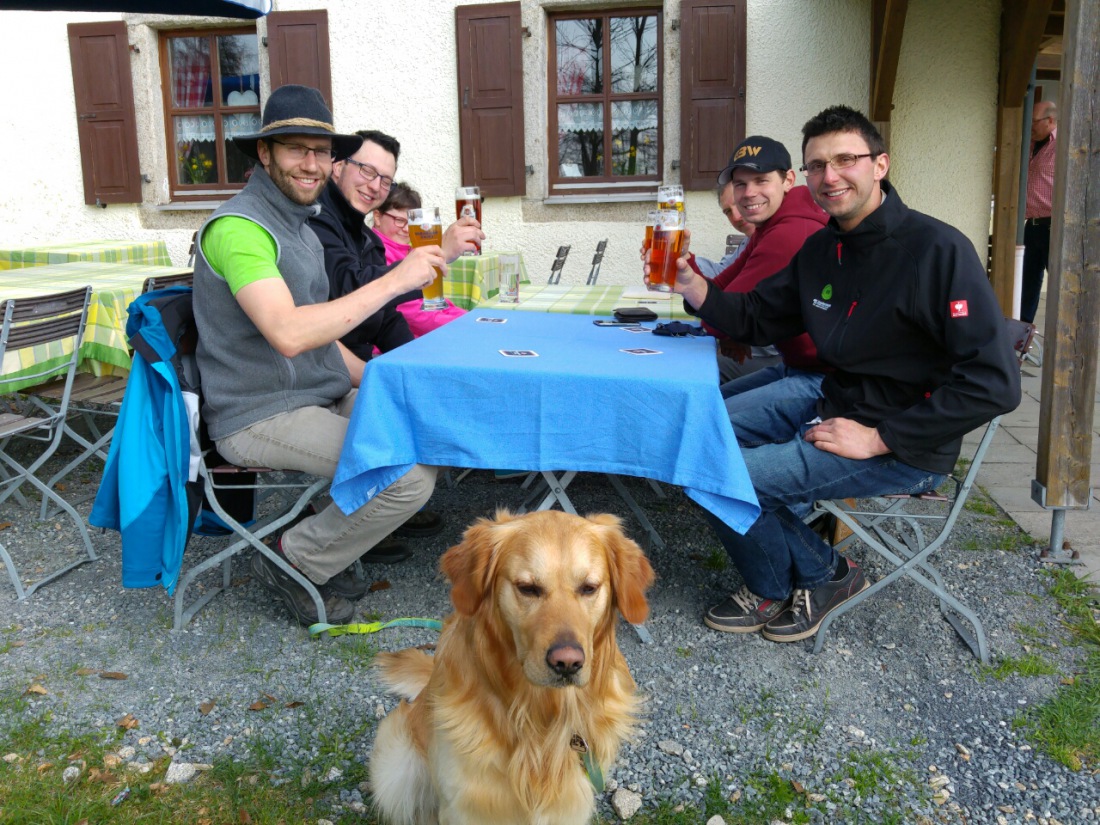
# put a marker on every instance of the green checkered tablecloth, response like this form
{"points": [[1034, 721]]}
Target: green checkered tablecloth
{"points": [[114, 285], [588, 300], [474, 278], [117, 252]]}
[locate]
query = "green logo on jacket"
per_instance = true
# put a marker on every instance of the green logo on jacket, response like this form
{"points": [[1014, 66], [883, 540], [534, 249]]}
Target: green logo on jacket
{"points": [[827, 292]]}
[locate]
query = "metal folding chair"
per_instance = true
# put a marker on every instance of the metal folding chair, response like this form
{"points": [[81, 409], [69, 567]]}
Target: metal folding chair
{"points": [[27, 323], [559, 262], [597, 260], [94, 396], [906, 530]]}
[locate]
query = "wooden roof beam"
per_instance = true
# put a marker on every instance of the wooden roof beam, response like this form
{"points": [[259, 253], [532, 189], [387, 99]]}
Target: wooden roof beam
{"points": [[887, 25], [1023, 23]]}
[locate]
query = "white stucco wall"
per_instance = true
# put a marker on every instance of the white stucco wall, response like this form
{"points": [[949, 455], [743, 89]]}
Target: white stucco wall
{"points": [[943, 130], [392, 75]]}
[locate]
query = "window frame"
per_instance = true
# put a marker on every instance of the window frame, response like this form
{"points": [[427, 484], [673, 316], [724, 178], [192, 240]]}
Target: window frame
{"points": [[215, 191], [604, 184]]}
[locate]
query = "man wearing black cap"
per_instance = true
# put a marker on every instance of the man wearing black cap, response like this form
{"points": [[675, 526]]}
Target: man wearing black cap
{"points": [[277, 384], [899, 305], [761, 178]]}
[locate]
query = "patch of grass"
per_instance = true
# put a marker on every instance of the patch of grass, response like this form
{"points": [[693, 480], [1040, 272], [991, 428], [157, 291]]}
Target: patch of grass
{"points": [[1030, 664], [684, 652], [1067, 726], [717, 561], [355, 651], [982, 506], [33, 792]]}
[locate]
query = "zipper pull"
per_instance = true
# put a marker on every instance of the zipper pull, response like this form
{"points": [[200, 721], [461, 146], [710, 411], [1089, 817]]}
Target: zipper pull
{"points": [[851, 309], [839, 246]]}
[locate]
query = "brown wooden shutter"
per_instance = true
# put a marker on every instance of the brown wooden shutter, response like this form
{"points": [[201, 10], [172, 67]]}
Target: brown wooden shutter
{"points": [[297, 43], [490, 97], [712, 71], [106, 124]]}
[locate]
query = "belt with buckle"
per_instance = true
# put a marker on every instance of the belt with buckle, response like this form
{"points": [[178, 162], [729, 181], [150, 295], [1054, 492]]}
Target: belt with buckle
{"points": [[1037, 221]]}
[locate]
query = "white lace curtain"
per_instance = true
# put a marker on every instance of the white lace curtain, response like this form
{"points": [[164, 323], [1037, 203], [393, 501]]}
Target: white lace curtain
{"points": [[201, 127]]}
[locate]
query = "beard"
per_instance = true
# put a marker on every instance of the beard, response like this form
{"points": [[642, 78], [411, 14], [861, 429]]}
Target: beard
{"points": [[286, 185]]}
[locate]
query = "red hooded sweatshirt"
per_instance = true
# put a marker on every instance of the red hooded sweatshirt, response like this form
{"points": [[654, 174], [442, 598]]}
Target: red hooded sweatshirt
{"points": [[770, 248]]}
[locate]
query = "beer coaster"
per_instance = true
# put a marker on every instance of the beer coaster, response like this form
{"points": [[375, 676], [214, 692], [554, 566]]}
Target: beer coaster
{"points": [[635, 329], [642, 351], [492, 320], [518, 353]]}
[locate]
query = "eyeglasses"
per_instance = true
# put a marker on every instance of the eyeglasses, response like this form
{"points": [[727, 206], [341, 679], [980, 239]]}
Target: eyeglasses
{"points": [[845, 161], [402, 223], [296, 151], [371, 174], [1040, 119]]}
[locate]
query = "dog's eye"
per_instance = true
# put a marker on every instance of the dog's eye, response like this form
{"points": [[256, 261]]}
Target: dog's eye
{"points": [[529, 589], [588, 589]]}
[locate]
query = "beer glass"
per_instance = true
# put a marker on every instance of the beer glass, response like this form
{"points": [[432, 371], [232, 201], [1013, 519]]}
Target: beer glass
{"points": [[670, 197], [668, 239], [426, 229], [647, 244], [468, 203]]}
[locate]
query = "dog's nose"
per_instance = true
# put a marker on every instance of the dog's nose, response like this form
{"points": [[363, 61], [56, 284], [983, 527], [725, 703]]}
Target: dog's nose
{"points": [[565, 660]]}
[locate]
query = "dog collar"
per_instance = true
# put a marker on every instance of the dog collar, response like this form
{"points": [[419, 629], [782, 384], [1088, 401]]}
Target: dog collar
{"points": [[591, 766]]}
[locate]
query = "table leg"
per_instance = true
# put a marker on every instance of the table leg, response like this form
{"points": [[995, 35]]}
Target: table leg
{"points": [[654, 537]]}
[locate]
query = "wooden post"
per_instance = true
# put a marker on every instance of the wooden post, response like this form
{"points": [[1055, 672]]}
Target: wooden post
{"points": [[1006, 195], [1073, 291]]}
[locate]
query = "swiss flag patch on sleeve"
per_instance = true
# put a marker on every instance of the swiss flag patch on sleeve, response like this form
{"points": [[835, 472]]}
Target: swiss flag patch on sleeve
{"points": [[959, 309]]}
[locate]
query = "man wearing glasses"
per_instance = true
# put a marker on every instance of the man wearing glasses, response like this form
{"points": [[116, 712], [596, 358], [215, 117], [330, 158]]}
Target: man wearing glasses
{"points": [[277, 384], [899, 305], [1040, 193], [355, 255]]}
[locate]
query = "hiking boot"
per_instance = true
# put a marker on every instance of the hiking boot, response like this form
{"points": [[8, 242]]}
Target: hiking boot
{"points": [[338, 610], [744, 612], [387, 551], [422, 525], [810, 607], [347, 584]]}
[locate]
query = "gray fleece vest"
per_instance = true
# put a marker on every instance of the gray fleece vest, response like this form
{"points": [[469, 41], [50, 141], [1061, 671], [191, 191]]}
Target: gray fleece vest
{"points": [[244, 379]]}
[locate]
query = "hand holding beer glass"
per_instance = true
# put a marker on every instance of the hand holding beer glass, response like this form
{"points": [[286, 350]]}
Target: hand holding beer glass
{"points": [[668, 241], [468, 205], [426, 229]]}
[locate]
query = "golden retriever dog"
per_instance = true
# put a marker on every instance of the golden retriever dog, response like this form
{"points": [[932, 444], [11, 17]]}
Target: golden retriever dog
{"points": [[527, 682]]}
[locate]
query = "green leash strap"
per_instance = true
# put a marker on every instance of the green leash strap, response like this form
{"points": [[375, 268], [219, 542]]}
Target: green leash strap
{"points": [[372, 627]]}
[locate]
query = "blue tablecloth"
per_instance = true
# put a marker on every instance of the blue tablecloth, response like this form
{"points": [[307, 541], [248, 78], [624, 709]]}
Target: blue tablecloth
{"points": [[450, 398]]}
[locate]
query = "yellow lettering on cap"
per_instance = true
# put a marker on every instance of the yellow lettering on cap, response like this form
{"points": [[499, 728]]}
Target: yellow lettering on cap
{"points": [[747, 150]]}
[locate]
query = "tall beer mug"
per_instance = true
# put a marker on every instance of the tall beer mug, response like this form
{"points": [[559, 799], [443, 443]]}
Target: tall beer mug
{"points": [[668, 240], [670, 197], [468, 204], [426, 229], [647, 243]]}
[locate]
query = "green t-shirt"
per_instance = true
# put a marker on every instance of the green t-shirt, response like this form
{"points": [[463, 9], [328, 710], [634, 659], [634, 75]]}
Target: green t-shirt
{"points": [[240, 251]]}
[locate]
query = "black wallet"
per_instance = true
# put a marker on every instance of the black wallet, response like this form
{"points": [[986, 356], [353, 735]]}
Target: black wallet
{"points": [[634, 314]]}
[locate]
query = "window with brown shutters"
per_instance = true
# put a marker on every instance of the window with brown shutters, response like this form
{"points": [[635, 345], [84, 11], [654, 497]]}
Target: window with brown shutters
{"points": [[297, 43], [106, 124], [604, 92], [211, 94], [712, 78], [490, 97]]}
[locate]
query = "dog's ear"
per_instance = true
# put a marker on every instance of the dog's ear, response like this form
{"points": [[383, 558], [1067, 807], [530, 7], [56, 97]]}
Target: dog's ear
{"points": [[469, 566], [631, 572]]}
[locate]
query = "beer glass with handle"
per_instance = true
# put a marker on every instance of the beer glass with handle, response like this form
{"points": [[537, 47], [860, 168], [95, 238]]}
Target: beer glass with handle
{"points": [[647, 243], [426, 229], [468, 204]]}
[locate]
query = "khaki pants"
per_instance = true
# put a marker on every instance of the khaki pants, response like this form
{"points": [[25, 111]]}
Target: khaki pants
{"points": [[310, 440]]}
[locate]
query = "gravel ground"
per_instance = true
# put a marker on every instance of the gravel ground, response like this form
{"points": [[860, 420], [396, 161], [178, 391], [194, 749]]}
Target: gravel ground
{"points": [[894, 709]]}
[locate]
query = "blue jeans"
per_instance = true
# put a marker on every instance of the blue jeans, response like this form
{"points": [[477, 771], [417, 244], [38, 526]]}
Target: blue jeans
{"points": [[779, 380], [779, 552]]}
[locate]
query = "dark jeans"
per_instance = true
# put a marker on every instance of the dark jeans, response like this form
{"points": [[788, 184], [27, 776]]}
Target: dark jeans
{"points": [[1036, 257], [779, 552]]}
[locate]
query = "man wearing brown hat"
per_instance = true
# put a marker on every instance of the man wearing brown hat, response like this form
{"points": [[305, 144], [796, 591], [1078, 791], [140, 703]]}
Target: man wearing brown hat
{"points": [[277, 384]]}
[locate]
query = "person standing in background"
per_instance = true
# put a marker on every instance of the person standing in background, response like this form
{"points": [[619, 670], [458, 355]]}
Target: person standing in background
{"points": [[1040, 192]]}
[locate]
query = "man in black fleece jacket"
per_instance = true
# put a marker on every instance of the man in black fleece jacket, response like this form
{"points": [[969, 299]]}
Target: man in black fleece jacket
{"points": [[898, 304]]}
